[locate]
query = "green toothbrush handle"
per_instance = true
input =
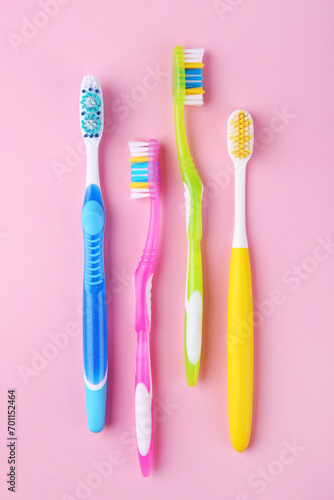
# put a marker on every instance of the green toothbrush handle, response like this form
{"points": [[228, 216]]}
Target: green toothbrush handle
{"points": [[193, 313], [194, 289], [193, 191]]}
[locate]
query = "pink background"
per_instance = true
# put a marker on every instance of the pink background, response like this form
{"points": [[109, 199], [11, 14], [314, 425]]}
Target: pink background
{"points": [[273, 59]]}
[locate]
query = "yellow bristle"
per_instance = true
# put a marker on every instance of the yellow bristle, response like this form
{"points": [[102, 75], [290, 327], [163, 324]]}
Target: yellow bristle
{"points": [[193, 65], [139, 185], [240, 135], [138, 159], [194, 91]]}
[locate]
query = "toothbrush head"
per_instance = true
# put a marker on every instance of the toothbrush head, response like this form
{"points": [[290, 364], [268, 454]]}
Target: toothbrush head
{"points": [[145, 168], [91, 109], [188, 76], [240, 135]]}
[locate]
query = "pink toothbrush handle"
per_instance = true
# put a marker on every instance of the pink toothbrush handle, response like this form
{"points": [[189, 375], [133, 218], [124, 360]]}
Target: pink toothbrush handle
{"points": [[143, 380], [143, 284]]}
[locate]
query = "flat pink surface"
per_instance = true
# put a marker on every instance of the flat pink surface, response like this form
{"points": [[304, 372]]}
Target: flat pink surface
{"points": [[273, 59]]}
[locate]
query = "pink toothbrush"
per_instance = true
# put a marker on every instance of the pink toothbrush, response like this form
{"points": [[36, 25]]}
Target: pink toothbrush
{"points": [[145, 182]]}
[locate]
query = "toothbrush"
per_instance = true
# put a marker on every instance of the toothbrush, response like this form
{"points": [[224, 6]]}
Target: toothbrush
{"points": [[240, 143], [188, 89], [145, 177], [95, 333]]}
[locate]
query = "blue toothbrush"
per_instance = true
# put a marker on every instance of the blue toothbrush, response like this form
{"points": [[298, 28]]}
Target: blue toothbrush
{"points": [[95, 332]]}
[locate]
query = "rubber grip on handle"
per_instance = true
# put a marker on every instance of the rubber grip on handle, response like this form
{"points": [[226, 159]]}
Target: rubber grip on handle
{"points": [[143, 379], [193, 192], [95, 331], [240, 349], [193, 313], [144, 427]]}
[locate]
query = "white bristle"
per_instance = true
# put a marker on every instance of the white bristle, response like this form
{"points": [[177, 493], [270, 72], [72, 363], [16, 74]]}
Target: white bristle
{"points": [[194, 100], [138, 143], [193, 50], [138, 152], [140, 190], [138, 148], [136, 196], [193, 55], [90, 81]]}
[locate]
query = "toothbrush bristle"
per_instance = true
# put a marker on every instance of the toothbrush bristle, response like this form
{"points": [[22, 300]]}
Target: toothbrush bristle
{"points": [[240, 134], [145, 168], [139, 169], [188, 75], [91, 108]]}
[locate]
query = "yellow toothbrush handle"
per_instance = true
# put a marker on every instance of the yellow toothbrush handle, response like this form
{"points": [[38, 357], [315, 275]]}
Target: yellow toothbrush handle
{"points": [[240, 349]]}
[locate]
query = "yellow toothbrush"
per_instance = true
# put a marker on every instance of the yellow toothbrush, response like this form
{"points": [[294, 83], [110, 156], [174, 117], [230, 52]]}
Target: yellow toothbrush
{"points": [[240, 141]]}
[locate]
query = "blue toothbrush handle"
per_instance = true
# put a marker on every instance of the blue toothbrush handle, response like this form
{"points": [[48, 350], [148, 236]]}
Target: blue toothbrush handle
{"points": [[95, 331]]}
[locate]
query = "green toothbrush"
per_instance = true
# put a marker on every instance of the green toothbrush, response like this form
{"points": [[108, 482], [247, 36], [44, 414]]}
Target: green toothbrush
{"points": [[188, 89]]}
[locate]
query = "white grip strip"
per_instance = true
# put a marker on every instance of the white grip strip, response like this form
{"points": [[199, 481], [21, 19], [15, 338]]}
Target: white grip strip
{"points": [[194, 308], [239, 237], [143, 402], [143, 398], [96, 387]]}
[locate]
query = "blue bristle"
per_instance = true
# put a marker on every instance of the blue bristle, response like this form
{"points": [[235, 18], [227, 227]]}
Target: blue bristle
{"points": [[143, 164], [91, 112], [139, 172], [91, 102], [194, 78], [193, 71], [91, 124], [136, 178], [190, 85]]}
